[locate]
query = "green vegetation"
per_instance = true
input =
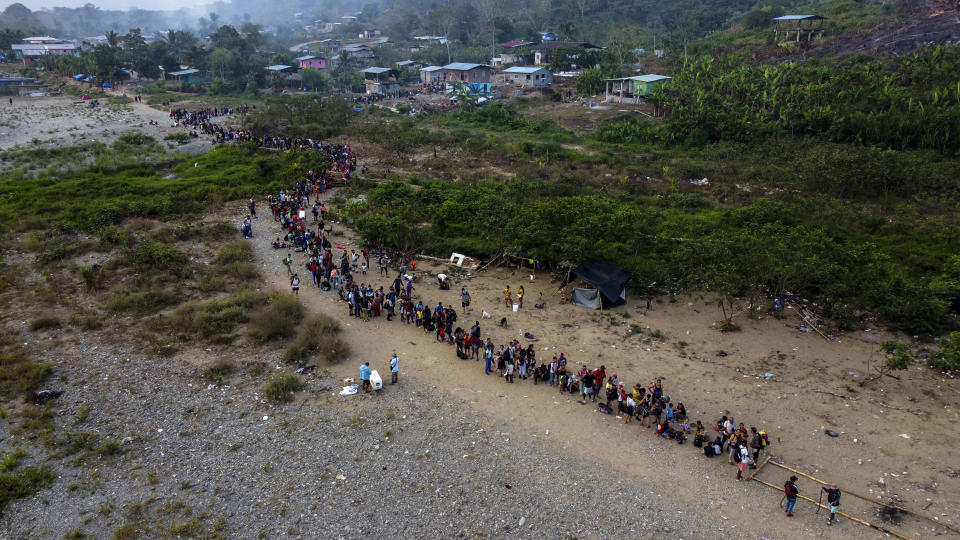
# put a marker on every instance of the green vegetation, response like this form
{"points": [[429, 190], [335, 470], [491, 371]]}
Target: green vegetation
{"points": [[280, 387], [234, 252], [19, 375], [318, 334], [948, 357], [45, 322], [215, 317], [141, 303], [278, 320], [109, 197], [24, 482]]}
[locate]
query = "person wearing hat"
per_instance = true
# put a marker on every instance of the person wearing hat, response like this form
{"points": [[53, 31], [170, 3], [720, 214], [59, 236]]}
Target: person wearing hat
{"points": [[790, 492], [833, 499]]}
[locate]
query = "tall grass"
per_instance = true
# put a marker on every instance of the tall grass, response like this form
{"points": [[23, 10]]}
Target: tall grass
{"points": [[318, 335], [278, 320], [221, 316], [281, 387]]}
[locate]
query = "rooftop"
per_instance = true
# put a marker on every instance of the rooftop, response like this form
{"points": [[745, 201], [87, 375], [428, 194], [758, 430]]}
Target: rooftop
{"points": [[377, 70], [307, 57], [558, 44], [463, 66], [799, 18], [520, 69], [431, 68], [277, 67], [184, 72], [514, 44]]}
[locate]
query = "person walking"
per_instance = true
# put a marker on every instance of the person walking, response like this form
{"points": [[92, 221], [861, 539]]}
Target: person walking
{"points": [[790, 492], [465, 300], [287, 261], [520, 297], [365, 377], [743, 461], [295, 284], [833, 500], [394, 368], [507, 295]]}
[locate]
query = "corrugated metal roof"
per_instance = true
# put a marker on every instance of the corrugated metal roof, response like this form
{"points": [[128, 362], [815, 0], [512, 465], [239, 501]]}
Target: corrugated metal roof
{"points": [[307, 57], [184, 72], [431, 68], [405, 62], [519, 69], [463, 66], [798, 18], [277, 67], [376, 70], [650, 77], [514, 44]]}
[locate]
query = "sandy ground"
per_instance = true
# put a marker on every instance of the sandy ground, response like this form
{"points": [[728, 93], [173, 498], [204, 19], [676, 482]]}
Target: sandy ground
{"points": [[895, 436], [65, 120], [892, 434]]}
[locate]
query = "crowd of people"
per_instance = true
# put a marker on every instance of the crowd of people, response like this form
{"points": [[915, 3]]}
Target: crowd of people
{"points": [[349, 274]]}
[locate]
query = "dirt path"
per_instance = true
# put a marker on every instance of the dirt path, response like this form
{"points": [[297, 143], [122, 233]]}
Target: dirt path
{"points": [[788, 406]]}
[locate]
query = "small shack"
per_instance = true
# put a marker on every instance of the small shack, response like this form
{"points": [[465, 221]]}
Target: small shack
{"points": [[528, 76], [431, 74], [632, 89], [609, 279], [475, 76], [381, 80], [807, 28]]}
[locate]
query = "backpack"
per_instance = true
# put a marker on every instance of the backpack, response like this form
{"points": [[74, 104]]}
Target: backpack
{"points": [[764, 441], [604, 408], [790, 489]]}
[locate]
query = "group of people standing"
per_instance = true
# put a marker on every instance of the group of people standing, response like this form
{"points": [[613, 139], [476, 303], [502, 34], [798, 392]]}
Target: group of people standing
{"points": [[649, 406]]}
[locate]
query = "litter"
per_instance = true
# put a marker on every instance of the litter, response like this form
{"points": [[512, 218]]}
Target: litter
{"points": [[349, 390], [904, 435], [768, 375], [529, 337]]}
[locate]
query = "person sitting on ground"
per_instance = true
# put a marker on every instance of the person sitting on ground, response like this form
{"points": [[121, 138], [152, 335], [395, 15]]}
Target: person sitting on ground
{"points": [[698, 436]]}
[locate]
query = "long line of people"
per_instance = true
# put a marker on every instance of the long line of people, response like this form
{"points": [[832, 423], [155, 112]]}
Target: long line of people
{"points": [[647, 405]]}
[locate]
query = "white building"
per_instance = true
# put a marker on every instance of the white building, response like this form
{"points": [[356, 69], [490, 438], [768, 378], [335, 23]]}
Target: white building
{"points": [[528, 76]]}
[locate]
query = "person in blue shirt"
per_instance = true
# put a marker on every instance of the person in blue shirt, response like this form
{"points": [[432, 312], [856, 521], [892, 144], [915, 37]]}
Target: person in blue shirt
{"points": [[365, 376], [394, 368]]}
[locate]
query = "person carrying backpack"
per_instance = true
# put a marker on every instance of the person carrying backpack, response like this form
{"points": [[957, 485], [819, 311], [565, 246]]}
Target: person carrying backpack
{"points": [[790, 492], [758, 442], [833, 499]]}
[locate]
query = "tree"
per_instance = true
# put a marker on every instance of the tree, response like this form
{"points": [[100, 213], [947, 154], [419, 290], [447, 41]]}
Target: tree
{"points": [[136, 53], [590, 82], [345, 78], [315, 79]]}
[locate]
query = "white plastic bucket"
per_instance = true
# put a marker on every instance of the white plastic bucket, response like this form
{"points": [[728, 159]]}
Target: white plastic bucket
{"points": [[516, 308]]}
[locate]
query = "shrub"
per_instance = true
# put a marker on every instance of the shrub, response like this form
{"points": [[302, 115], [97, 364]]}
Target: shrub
{"points": [[85, 321], [318, 335], [141, 303], [157, 255], [948, 357], [241, 271], [234, 252], [24, 483], [279, 319], [93, 276], [219, 371], [20, 376], [897, 353], [281, 387], [45, 322], [180, 137], [216, 316]]}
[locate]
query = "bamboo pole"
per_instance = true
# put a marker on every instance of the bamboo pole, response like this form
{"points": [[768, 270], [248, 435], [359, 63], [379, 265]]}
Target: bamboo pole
{"points": [[839, 513], [870, 500], [759, 467]]}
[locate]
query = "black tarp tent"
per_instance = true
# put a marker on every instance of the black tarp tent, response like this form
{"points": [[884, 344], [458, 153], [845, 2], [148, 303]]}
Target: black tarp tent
{"points": [[609, 279]]}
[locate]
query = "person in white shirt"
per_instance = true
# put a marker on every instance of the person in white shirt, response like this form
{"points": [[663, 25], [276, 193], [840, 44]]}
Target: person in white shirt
{"points": [[394, 368]]}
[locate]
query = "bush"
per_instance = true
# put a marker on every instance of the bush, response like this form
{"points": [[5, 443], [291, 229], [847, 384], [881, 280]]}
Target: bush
{"points": [[281, 387], [279, 319], [45, 322], [234, 252], [219, 371], [24, 483], [20, 376], [897, 353], [215, 317], [180, 137], [141, 303], [157, 256], [318, 335], [241, 271], [948, 357], [85, 321]]}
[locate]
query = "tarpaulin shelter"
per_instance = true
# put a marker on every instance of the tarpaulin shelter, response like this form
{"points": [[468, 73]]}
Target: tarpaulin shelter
{"points": [[79, 76], [609, 279]]}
